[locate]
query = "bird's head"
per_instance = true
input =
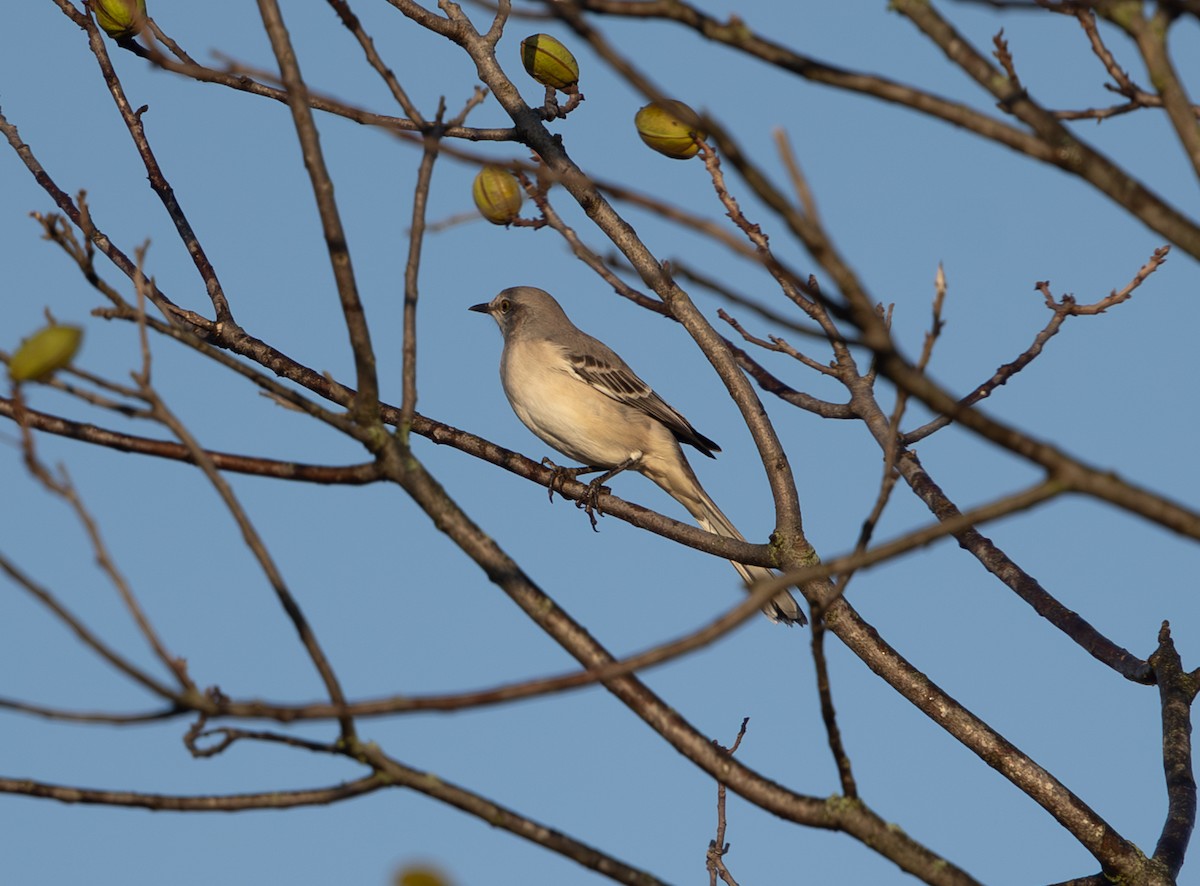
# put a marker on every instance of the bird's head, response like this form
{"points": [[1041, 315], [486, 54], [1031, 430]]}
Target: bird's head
{"points": [[521, 306]]}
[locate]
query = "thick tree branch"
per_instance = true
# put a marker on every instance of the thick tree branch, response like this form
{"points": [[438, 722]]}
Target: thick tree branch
{"points": [[852, 818], [1177, 691], [1069, 152], [1050, 142], [533, 132]]}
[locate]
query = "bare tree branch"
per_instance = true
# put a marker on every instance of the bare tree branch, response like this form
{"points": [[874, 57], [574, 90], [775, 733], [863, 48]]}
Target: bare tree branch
{"points": [[366, 401], [207, 803]]}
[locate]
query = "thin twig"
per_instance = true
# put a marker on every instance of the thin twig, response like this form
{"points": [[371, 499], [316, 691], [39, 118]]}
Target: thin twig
{"points": [[1060, 309], [614, 668], [249, 533], [718, 848], [891, 448], [49, 713], [833, 733], [205, 803], [686, 271], [354, 26], [416, 238], [350, 475], [777, 344], [366, 401], [85, 635], [800, 184], [539, 833], [158, 180], [62, 487]]}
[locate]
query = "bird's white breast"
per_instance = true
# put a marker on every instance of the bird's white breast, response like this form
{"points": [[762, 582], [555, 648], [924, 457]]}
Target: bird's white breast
{"points": [[578, 420]]}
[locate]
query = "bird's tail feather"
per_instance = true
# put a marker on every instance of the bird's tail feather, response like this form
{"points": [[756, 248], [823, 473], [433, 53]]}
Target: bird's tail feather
{"points": [[781, 608]]}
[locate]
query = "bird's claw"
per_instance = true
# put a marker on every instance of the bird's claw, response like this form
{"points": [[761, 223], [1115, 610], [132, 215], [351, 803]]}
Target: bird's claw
{"points": [[590, 500], [560, 475]]}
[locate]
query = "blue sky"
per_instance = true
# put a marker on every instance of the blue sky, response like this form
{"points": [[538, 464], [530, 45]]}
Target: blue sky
{"points": [[399, 610]]}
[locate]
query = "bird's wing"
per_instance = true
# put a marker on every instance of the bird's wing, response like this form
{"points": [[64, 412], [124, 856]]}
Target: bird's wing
{"points": [[608, 374]]}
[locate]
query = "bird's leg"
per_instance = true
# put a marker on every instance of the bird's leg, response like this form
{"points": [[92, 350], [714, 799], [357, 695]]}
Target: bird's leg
{"points": [[561, 475], [590, 501]]}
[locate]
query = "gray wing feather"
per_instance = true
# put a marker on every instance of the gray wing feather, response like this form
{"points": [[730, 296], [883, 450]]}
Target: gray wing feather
{"points": [[607, 373]]}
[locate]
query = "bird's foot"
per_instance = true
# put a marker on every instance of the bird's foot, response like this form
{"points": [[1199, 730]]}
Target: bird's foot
{"points": [[590, 500], [560, 475]]}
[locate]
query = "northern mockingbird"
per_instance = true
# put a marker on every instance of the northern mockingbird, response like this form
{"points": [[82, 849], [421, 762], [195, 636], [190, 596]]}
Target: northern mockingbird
{"points": [[577, 395]]}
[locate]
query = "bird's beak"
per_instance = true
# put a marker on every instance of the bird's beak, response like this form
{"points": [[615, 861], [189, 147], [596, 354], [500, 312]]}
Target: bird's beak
{"points": [[484, 308]]}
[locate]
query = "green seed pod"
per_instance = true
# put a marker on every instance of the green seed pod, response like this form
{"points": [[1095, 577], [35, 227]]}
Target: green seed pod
{"points": [[45, 352], [120, 18], [549, 62], [497, 195], [661, 126]]}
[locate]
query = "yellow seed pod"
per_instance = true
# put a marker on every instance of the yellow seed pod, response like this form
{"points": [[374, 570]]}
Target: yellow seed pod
{"points": [[120, 18], [44, 353], [497, 195], [421, 875], [661, 126], [549, 62]]}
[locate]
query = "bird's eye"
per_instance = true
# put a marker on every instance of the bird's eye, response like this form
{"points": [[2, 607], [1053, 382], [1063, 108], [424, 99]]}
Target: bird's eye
{"points": [[504, 305]]}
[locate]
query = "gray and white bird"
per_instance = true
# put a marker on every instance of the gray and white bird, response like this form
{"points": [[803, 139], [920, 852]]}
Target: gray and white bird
{"points": [[577, 395]]}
